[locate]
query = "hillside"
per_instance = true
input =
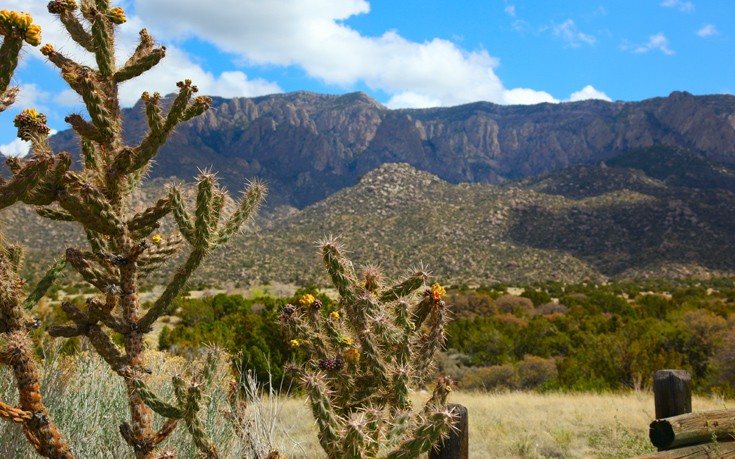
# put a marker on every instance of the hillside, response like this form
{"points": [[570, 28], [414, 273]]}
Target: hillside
{"points": [[582, 222], [308, 146]]}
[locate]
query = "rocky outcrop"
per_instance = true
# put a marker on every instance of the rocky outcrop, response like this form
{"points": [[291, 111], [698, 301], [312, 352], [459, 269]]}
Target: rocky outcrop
{"points": [[307, 146]]}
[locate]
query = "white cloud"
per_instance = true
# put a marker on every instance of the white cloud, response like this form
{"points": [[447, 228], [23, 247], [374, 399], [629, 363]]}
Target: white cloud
{"points": [[18, 147], [510, 10], [568, 32], [657, 42], [178, 65], [31, 96], [588, 92], [312, 36], [410, 99], [681, 5], [708, 30]]}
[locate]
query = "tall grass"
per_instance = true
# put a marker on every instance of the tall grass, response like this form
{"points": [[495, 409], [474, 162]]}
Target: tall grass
{"points": [[89, 403]]}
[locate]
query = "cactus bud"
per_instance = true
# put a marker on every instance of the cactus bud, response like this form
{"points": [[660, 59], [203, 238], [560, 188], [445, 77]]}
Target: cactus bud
{"points": [[30, 123], [117, 16]]}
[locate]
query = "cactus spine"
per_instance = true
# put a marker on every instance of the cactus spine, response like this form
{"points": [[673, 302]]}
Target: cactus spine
{"points": [[364, 357], [121, 248]]}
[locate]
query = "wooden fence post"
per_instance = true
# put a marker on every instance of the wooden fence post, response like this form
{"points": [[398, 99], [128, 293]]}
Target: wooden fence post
{"points": [[672, 391], [457, 445]]}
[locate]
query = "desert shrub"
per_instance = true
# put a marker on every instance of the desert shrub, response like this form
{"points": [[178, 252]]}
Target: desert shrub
{"points": [[534, 371], [530, 373], [516, 305], [496, 377], [538, 297]]}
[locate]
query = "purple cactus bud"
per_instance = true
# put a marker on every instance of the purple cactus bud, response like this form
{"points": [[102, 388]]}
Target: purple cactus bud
{"points": [[330, 364], [317, 305]]}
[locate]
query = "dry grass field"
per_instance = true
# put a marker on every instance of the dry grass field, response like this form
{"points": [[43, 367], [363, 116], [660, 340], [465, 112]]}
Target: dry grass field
{"points": [[89, 404], [527, 424]]}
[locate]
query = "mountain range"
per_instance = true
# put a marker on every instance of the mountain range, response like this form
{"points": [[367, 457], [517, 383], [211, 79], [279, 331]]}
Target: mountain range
{"points": [[307, 146], [478, 193]]}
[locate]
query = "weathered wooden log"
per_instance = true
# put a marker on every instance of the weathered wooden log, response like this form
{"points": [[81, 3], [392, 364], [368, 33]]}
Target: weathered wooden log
{"points": [[672, 391], [457, 445], [692, 428], [706, 451]]}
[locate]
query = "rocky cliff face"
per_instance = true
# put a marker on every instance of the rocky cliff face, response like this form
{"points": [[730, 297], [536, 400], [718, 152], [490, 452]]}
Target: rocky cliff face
{"points": [[308, 146]]}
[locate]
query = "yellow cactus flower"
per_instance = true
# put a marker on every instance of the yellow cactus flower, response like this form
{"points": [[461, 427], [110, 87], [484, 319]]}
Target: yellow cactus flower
{"points": [[437, 291], [334, 315], [448, 388], [117, 15], [294, 343], [307, 300], [47, 49], [156, 239], [33, 35], [352, 355], [345, 340]]}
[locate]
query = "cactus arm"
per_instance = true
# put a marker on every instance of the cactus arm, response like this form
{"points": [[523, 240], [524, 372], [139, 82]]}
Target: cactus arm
{"points": [[92, 96], [431, 340], [84, 128], [90, 156], [149, 217], [173, 288], [76, 31], [82, 263], [103, 41], [159, 254], [140, 64], [340, 269], [23, 181], [66, 331], [15, 351], [253, 196], [422, 311], [203, 215], [9, 51], [151, 399], [53, 214], [44, 284], [106, 348], [11, 414], [330, 425], [166, 429], [181, 110], [183, 220], [433, 427], [413, 282]]}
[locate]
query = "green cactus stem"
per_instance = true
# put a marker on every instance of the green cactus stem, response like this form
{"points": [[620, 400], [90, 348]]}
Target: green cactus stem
{"points": [[44, 284]]}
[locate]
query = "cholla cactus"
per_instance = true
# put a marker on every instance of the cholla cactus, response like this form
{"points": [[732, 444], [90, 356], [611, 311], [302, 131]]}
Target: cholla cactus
{"points": [[16, 348], [363, 358], [123, 244]]}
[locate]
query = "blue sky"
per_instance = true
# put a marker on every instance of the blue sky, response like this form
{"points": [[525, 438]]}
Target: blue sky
{"points": [[408, 53]]}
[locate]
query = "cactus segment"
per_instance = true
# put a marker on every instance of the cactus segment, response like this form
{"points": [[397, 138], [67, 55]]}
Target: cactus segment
{"points": [[44, 284]]}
